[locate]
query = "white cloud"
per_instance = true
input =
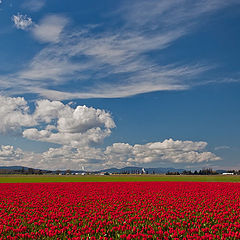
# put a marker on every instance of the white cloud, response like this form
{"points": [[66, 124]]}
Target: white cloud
{"points": [[117, 57], [8, 153], [78, 130], [52, 121], [75, 127], [167, 151], [17, 157], [66, 157], [14, 114], [224, 147], [22, 21], [91, 136], [116, 155], [33, 5], [115, 63], [170, 13], [50, 28]]}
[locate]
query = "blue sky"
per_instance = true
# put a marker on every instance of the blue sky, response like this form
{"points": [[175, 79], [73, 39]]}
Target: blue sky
{"points": [[99, 84]]}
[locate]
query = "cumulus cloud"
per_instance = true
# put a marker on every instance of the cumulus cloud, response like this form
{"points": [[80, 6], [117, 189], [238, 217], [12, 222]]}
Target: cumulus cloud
{"points": [[116, 155], [52, 121], [14, 114], [64, 157], [91, 136], [17, 157], [166, 151], [22, 21], [73, 158], [76, 127], [79, 130], [8, 153], [50, 28]]}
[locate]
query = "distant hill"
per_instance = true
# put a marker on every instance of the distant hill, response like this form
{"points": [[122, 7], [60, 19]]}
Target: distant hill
{"points": [[139, 169], [110, 170], [221, 171], [132, 170], [13, 167]]}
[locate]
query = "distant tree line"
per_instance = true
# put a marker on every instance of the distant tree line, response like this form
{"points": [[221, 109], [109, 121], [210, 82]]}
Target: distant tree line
{"points": [[24, 171], [205, 171]]}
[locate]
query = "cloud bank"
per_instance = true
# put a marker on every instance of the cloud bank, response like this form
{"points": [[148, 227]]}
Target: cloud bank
{"points": [[116, 155], [79, 131]]}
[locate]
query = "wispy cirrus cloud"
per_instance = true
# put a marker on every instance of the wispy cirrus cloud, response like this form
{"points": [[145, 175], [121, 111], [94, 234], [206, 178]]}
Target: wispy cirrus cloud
{"points": [[224, 147], [167, 14], [33, 5], [50, 28], [115, 62]]}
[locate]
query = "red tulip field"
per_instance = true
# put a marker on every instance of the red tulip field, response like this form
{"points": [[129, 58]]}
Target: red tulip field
{"points": [[123, 210]]}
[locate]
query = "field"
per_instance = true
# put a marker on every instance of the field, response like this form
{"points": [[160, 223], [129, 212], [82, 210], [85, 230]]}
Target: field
{"points": [[120, 210], [119, 207], [114, 178]]}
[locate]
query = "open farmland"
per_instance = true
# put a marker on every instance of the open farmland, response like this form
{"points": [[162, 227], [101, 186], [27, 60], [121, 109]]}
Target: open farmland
{"points": [[115, 178], [126, 210]]}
